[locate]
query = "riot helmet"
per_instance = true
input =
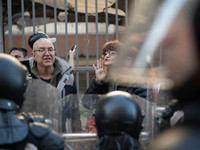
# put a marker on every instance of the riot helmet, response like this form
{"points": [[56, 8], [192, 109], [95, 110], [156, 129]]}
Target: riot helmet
{"points": [[14, 80], [117, 114]]}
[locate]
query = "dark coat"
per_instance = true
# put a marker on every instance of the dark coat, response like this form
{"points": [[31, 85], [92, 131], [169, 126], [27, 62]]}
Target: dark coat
{"points": [[105, 87]]}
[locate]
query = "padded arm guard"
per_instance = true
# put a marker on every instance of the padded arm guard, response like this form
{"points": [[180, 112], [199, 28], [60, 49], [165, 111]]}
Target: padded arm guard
{"points": [[45, 139]]}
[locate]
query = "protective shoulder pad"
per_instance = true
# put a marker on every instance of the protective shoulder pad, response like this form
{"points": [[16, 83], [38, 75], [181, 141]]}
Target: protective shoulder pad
{"points": [[38, 129], [53, 142], [12, 130]]}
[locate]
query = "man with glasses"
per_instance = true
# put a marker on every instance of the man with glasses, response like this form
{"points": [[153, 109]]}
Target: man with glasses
{"points": [[18, 52], [45, 65]]}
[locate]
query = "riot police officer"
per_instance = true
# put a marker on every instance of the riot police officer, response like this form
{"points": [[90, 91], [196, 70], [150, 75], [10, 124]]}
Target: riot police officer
{"points": [[118, 121], [16, 133]]}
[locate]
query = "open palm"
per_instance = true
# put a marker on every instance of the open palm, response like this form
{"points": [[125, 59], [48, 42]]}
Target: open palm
{"points": [[100, 71]]}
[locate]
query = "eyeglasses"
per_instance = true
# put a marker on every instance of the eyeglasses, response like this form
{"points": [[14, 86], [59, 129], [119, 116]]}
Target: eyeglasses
{"points": [[111, 53], [42, 51]]}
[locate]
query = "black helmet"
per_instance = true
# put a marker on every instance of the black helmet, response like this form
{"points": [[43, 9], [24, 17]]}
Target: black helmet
{"points": [[116, 114], [13, 79]]}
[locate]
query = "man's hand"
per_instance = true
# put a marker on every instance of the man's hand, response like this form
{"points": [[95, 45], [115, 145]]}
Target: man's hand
{"points": [[100, 71]]}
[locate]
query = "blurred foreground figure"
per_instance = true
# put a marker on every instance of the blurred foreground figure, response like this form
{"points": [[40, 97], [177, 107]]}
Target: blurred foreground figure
{"points": [[118, 121], [181, 58], [15, 133]]}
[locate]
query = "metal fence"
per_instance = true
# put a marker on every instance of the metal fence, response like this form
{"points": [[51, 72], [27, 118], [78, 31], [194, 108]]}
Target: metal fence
{"points": [[86, 68]]}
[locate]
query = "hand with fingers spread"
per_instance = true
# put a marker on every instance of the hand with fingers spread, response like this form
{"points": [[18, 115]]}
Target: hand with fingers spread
{"points": [[100, 71]]}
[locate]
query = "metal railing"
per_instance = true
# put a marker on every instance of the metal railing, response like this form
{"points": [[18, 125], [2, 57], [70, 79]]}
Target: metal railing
{"points": [[86, 68]]}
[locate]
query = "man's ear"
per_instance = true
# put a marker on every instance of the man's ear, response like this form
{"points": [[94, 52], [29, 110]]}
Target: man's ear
{"points": [[33, 54]]}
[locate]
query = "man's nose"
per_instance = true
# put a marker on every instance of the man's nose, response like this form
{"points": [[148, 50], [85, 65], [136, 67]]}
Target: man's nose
{"points": [[47, 52]]}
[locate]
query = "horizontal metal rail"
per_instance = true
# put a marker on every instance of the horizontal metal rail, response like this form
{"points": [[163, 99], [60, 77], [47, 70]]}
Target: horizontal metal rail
{"points": [[83, 68]]}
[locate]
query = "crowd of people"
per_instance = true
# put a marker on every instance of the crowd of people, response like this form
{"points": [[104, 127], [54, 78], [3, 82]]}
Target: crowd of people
{"points": [[118, 117]]}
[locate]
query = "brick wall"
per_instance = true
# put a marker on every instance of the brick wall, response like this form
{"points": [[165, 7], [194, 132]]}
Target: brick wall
{"points": [[17, 41]]}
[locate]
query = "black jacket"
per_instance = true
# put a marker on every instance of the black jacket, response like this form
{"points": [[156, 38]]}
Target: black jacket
{"points": [[122, 142], [105, 87]]}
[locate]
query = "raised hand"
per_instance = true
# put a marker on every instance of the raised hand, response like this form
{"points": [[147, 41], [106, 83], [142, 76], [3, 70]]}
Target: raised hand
{"points": [[100, 71], [72, 54]]}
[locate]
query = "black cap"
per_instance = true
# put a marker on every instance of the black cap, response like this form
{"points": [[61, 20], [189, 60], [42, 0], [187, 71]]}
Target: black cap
{"points": [[33, 38]]}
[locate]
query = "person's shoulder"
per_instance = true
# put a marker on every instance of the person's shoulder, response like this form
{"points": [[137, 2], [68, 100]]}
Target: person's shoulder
{"points": [[61, 60], [29, 58], [63, 64]]}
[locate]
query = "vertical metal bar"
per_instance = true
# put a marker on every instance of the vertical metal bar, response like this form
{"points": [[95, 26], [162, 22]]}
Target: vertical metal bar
{"points": [[126, 17], [147, 110], [76, 20], [1, 29], [66, 32], [44, 15], [9, 4], [33, 13], [23, 34], [106, 2], [116, 18], [55, 23], [97, 40], [87, 50], [160, 60], [135, 4]]}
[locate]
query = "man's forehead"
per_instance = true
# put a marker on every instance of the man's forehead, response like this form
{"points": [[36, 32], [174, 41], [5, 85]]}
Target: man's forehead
{"points": [[16, 51], [43, 43]]}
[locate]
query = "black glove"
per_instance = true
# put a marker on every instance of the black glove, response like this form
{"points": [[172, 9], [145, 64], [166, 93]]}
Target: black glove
{"points": [[33, 117], [170, 109]]}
